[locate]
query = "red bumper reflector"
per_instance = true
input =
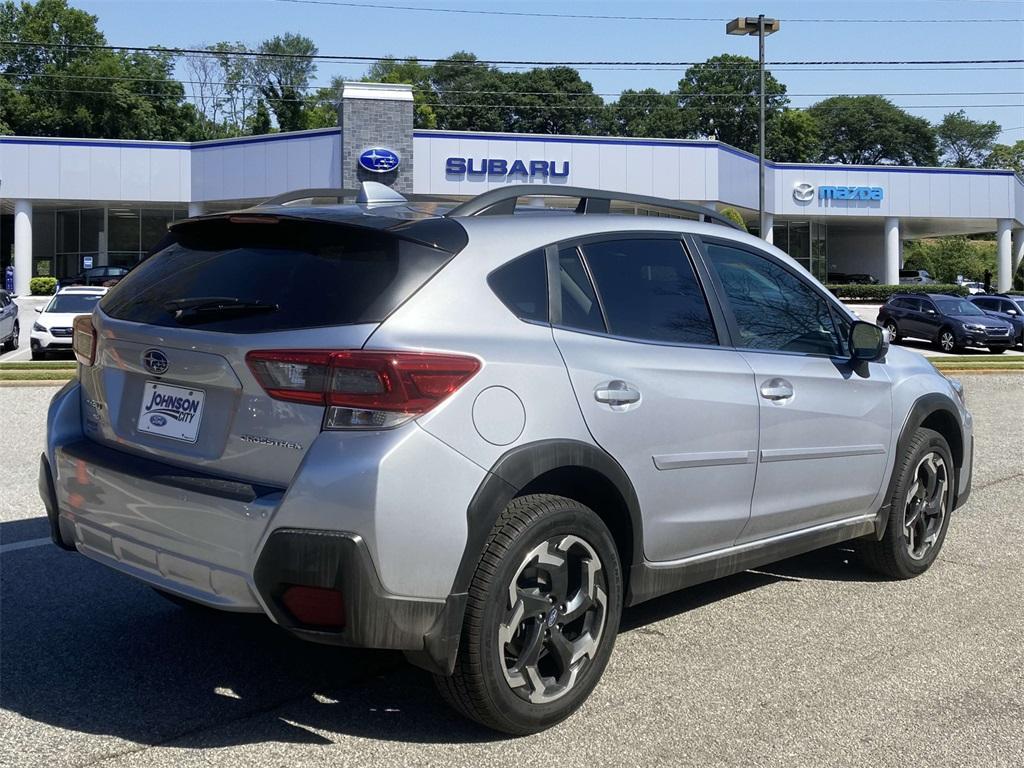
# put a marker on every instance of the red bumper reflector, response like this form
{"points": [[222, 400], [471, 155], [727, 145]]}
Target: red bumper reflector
{"points": [[315, 606]]}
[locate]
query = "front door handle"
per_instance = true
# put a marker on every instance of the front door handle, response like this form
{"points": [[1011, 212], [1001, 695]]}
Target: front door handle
{"points": [[616, 393], [776, 389]]}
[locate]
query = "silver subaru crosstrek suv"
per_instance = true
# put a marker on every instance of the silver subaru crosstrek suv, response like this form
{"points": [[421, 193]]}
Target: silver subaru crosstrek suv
{"points": [[476, 435]]}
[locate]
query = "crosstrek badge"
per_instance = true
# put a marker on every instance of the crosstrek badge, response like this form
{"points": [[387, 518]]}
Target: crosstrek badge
{"points": [[173, 412]]}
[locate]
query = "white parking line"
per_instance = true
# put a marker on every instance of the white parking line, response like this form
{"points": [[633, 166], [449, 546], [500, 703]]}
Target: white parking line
{"points": [[29, 544]]}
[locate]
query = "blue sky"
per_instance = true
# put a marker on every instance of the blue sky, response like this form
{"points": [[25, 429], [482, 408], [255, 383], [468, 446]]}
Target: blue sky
{"points": [[373, 32]]}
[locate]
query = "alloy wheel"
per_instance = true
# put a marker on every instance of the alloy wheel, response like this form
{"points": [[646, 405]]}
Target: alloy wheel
{"points": [[14, 338], [925, 509], [556, 612], [893, 331], [947, 341]]}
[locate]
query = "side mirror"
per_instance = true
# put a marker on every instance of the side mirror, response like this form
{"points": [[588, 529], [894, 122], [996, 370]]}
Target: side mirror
{"points": [[868, 342], [930, 311], [1012, 312], [39, 310]]}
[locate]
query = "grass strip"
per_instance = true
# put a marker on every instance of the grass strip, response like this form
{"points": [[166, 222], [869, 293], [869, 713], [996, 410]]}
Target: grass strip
{"points": [[36, 375], [39, 366]]}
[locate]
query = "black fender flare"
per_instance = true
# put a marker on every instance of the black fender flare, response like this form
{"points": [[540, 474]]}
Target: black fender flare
{"points": [[923, 407], [513, 471]]}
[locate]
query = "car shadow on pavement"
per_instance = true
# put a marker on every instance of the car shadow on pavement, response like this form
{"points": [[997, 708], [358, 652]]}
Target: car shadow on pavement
{"points": [[92, 651]]}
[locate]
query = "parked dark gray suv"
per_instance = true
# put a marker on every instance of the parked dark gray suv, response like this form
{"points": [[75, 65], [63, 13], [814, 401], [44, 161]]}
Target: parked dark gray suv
{"points": [[950, 322]]}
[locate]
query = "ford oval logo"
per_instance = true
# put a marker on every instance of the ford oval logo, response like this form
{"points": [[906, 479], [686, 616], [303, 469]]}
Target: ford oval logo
{"points": [[155, 361], [803, 192], [157, 420], [379, 159]]}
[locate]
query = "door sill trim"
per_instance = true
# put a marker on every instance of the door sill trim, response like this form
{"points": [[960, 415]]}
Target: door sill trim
{"points": [[652, 579]]}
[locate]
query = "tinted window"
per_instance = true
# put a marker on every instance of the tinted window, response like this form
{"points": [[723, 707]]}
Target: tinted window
{"points": [[986, 304], [522, 285], [953, 306], [772, 307], [649, 291], [308, 274], [77, 303], [580, 308]]}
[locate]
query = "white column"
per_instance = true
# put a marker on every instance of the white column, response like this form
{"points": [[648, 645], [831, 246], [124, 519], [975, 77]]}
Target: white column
{"points": [[1017, 250], [892, 251], [769, 228], [22, 246], [195, 209], [1005, 271]]}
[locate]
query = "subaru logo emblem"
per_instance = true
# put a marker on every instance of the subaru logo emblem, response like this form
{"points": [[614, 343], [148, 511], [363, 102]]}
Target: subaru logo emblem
{"points": [[379, 160], [155, 361], [803, 192], [552, 617]]}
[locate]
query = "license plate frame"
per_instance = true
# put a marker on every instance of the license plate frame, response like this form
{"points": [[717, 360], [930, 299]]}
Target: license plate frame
{"points": [[170, 417]]}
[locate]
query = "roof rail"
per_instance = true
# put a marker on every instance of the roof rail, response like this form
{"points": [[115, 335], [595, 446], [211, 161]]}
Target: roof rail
{"points": [[369, 193], [503, 201]]}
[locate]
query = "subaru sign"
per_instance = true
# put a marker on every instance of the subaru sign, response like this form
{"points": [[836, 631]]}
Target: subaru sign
{"points": [[379, 159], [804, 193], [468, 166]]}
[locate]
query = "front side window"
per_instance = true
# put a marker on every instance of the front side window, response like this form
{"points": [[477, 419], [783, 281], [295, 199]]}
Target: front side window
{"points": [[772, 308], [649, 291]]}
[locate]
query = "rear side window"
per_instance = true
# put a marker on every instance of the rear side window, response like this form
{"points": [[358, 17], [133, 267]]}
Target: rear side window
{"points": [[580, 308], [649, 291], [280, 276], [522, 286], [772, 308]]}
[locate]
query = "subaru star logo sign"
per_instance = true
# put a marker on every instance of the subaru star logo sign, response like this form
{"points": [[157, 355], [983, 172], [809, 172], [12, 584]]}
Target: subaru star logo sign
{"points": [[379, 159], [803, 192], [155, 361]]}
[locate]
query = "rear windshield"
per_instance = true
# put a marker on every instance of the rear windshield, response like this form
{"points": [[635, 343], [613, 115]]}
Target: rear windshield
{"points": [[78, 303], [278, 275]]}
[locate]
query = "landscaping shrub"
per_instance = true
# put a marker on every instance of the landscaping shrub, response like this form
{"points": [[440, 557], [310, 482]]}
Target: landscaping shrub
{"points": [[43, 286], [881, 293]]}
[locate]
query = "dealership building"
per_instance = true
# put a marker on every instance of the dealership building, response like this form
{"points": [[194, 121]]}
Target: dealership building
{"points": [[66, 204]]}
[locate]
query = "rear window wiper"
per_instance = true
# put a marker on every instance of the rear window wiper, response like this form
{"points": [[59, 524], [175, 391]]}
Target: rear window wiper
{"points": [[207, 309]]}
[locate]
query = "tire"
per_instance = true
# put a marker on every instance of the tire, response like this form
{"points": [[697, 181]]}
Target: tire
{"points": [[908, 551], [492, 684], [946, 341], [894, 331], [12, 342], [997, 350], [38, 354]]}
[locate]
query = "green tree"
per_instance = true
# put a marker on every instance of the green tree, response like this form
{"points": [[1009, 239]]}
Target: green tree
{"points": [[647, 113], [872, 130], [793, 136], [259, 122], [73, 91], [410, 71], [553, 100], [965, 143], [284, 71], [734, 216], [720, 99], [948, 258], [470, 96], [1007, 156]]}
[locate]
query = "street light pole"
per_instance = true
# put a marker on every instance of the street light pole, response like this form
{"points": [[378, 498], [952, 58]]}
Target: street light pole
{"points": [[762, 27]]}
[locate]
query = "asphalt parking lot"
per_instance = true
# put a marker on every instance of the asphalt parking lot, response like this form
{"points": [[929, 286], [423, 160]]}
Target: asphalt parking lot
{"points": [[809, 662]]}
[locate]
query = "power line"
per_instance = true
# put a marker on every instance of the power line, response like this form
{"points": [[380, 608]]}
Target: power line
{"points": [[539, 63], [617, 94], [603, 17], [488, 105]]}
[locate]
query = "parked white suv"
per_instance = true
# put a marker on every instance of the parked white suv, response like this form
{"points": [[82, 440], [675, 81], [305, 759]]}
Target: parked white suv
{"points": [[477, 436], [51, 332]]}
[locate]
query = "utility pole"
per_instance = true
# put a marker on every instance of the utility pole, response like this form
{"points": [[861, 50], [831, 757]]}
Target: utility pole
{"points": [[762, 27]]}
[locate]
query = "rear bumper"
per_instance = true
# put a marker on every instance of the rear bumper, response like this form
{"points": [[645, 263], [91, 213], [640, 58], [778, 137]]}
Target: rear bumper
{"points": [[342, 524]]}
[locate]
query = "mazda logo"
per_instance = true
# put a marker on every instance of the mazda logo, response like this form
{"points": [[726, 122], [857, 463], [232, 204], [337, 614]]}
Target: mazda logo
{"points": [[803, 192], [155, 361]]}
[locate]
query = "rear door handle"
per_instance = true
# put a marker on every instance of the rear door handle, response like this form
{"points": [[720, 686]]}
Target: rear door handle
{"points": [[616, 393], [776, 389]]}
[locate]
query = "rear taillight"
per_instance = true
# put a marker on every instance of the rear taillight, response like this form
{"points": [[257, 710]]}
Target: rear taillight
{"points": [[83, 339], [362, 389]]}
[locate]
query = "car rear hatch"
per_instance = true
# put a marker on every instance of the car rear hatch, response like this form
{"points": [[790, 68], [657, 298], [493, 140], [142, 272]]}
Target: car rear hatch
{"points": [[173, 375]]}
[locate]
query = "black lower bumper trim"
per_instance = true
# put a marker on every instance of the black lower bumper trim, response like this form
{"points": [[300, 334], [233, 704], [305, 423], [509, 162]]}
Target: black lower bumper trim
{"points": [[49, 496], [374, 618]]}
